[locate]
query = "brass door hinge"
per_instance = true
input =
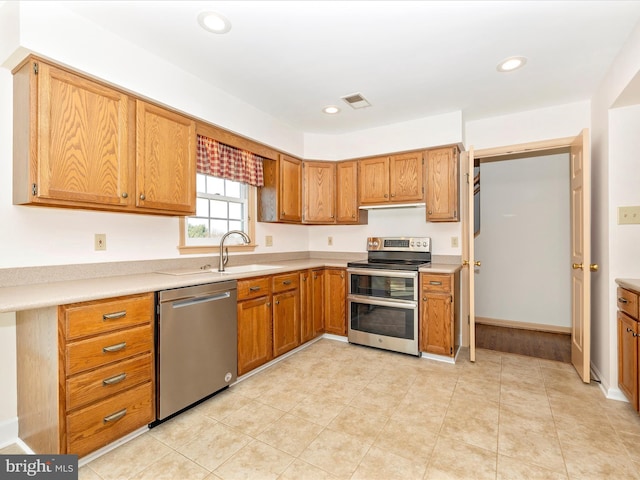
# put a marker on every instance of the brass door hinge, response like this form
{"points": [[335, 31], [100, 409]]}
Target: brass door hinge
{"points": [[34, 189], [35, 68]]}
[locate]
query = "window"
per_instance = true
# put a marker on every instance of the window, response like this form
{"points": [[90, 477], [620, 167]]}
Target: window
{"points": [[221, 205]]}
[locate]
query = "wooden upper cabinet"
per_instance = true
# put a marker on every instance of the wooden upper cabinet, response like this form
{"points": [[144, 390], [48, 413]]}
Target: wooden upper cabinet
{"points": [[280, 199], [394, 179], [405, 177], [442, 185], [373, 177], [84, 144], [71, 139], [165, 160], [347, 194], [319, 192]]}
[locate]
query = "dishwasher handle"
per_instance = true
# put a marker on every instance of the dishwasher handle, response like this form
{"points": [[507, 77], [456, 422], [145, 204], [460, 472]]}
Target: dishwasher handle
{"points": [[196, 300]]}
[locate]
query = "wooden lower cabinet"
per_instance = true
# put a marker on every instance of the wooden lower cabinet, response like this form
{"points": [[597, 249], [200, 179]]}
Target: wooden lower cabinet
{"points": [[438, 329], [286, 313], [311, 304], [628, 330], [95, 382], [254, 323], [335, 293]]}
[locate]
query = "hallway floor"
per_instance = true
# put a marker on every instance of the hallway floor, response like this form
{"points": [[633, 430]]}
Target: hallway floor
{"points": [[339, 411]]}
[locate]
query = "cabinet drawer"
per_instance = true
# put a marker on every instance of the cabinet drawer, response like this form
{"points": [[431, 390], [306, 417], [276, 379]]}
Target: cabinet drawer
{"points": [[286, 281], [105, 381], [435, 283], [253, 287], [104, 422], [111, 347], [89, 318], [628, 302]]}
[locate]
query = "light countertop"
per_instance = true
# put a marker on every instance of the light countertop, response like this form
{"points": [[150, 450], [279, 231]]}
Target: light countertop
{"points": [[630, 283], [40, 295]]}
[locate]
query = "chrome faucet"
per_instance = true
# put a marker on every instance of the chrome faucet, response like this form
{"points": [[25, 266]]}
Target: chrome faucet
{"points": [[224, 252]]}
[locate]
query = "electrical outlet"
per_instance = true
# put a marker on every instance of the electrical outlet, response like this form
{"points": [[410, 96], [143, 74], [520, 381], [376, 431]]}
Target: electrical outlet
{"points": [[268, 240], [100, 241], [454, 242], [628, 215], [330, 241]]}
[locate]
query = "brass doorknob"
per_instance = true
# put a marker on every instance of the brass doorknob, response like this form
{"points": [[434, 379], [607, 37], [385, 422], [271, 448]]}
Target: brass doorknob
{"points": [[577, 266], [478, 263], [594, 267], [465, 263]]}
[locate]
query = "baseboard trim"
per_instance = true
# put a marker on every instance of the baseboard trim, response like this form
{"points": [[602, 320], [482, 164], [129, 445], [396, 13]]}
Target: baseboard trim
{"points": [[539, 327]]}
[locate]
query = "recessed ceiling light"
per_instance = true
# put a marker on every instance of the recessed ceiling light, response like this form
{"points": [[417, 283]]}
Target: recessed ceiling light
{"points": [[331, 110], [214, 22], [510, 64]]}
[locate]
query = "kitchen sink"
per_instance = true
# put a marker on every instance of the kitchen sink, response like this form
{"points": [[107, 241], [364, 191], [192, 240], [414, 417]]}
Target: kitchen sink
{"points": [[254, 267]]}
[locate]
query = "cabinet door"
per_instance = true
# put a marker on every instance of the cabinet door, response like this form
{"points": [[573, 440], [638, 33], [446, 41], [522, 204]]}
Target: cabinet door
{"points": [[319, 192], [165, 160], [82, 136], [405, 178], [289, 189], [254, 333], [373, 178], [286, 321], [442, 185], [436, 335], [628, 357], [306, 306], [318, 295], [347, 193], [335, 301]]}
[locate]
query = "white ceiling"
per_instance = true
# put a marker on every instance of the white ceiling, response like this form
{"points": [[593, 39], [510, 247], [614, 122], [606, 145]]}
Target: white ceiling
{"points": [[409, 59]]}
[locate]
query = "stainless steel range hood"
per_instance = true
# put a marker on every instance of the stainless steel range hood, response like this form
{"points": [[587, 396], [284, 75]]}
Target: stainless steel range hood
{"points": [[392, 205]]}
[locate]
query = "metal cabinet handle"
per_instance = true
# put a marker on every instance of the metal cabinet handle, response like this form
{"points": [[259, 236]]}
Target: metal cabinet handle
{"points": [[628, 329], [268, 304], [386, 196], [142, 197], [114, 348], [424, 299], [287, 282], [115, 379], [576, 266], [430, 212], [125, 195], [433, 282], [254, 289], [622, 300], [277, 302], [341, 274], [115, 416], [114, 315]]}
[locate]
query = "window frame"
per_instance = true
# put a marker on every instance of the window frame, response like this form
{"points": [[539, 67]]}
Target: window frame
{"points": [[183, 248]]}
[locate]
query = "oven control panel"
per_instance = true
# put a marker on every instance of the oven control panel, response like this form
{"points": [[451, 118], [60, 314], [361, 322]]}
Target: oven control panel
{"points": [[399, 244]]}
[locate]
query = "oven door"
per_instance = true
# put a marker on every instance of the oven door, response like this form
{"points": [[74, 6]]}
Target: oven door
{"points": [[386, 324], [384, 284]]}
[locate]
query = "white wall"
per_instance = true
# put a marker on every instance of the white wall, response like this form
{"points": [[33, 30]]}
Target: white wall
{"points": [[608, 182], [524, 241]]}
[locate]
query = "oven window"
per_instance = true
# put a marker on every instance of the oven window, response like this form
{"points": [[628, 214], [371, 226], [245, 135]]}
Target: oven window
{"points": [[382, 320], [383, 286]]}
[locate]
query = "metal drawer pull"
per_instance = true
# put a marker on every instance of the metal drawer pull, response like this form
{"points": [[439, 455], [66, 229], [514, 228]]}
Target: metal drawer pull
{"points": [[115, 379], [114, 315], [115, 416], [433, 282], [114, 348], [623, 300], [287, 282], [254, 289]]}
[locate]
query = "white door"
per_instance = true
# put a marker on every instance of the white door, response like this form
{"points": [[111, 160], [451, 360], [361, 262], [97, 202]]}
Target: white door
{"points": [[468, 262], [581, 255]]}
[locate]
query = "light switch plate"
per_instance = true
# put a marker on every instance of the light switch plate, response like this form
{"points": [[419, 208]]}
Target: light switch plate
{"points": [[268, 240], [628, 215]]}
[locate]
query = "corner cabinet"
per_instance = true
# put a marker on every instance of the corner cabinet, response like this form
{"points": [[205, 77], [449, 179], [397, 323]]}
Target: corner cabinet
{"points": [[628, 331], [439, 316], [81, 143], [442, 180], [280, 199], [96, 373], [393, 179]]}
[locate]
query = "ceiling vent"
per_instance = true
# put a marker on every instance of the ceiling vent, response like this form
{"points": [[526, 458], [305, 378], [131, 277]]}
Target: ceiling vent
{"points": [[356, 100]]}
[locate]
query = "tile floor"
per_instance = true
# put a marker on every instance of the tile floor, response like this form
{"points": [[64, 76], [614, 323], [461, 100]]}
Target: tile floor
{"points": [[339, 411]]}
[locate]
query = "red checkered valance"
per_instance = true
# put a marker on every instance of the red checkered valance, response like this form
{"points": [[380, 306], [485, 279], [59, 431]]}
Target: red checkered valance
{"points": [[220, 160]]}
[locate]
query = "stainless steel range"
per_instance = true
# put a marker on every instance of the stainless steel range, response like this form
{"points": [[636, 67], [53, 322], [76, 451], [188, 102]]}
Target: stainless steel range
{"points": [[383, 293]]}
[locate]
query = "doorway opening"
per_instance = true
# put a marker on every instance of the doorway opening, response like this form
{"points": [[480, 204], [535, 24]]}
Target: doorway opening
{"points": [[523, 290]]}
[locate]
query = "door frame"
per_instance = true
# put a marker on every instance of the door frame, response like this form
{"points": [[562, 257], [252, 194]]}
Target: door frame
{"points": [[498, 153]]}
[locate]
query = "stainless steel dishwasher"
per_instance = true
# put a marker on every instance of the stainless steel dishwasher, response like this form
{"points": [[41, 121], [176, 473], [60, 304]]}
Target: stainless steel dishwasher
{"points": [[197, 344]]}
